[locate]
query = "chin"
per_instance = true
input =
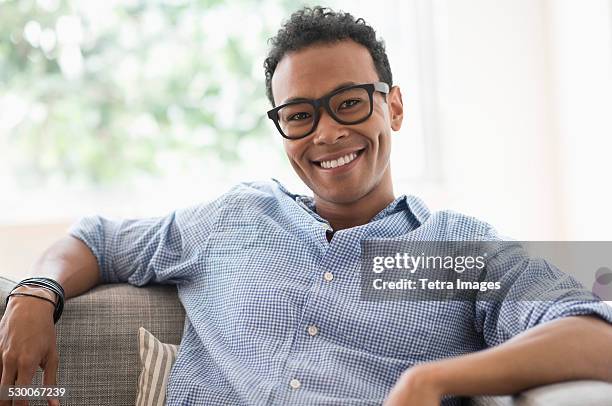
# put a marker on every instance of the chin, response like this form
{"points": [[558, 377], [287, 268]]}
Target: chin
{"points": [[341, 194]]}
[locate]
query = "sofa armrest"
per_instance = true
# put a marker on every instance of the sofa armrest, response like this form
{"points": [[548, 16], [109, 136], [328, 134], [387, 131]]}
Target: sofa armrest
{"points": [[489, 401], [575, 393], [97, 339]]}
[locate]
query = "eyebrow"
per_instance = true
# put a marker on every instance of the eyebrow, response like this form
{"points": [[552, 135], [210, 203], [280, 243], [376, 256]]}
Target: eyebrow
{"points": [[340, 86]]}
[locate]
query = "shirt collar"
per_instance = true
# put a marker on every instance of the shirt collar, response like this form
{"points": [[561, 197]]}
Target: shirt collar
{"points": [[412, 204]]}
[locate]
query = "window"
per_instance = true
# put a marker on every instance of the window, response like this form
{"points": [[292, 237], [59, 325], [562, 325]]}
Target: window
{"points": [[103, 104]]}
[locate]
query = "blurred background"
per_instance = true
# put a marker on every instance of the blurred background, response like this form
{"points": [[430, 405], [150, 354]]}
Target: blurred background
{"points": [[135, 108]]}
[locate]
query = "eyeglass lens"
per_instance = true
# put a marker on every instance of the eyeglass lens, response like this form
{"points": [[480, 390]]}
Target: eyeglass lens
{"points": [[348, 106]]}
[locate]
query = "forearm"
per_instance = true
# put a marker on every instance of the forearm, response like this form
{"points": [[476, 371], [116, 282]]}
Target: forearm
{"points": [[71, 263], [566, 349]]}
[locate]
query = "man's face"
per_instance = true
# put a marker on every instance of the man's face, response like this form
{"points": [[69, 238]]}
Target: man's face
{"points": [[314, 72]]}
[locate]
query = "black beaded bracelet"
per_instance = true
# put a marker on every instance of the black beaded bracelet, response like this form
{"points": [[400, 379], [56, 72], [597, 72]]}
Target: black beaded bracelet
{"points": [[48, 284]]}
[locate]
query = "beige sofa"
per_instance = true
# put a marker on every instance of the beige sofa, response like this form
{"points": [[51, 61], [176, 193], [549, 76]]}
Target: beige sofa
{"points": [[99, 352]]}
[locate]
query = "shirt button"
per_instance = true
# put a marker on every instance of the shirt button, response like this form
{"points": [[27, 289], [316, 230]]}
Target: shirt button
{"points": [[294, 383], [326, 226], [313, 330], [328, 276]]}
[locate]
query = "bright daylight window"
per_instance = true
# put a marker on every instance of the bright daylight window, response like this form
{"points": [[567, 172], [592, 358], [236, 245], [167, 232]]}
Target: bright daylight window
{"points": [[134, 108]]}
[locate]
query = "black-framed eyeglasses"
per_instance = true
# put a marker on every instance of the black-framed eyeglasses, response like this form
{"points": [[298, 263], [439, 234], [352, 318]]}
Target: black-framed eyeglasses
{"points": [[349, 105]]}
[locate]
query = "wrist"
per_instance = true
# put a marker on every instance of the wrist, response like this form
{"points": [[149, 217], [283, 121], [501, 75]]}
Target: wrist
{"points": [[35, 290], [448, 376], [46, 283], [429, 375], [29, 304]]}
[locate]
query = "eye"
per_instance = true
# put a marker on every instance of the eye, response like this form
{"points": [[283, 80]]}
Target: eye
{"points": [[347, 104], [298, 116]]}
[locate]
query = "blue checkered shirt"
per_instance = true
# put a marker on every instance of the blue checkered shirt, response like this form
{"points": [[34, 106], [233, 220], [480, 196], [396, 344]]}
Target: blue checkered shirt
{"points": [[274, 315]]}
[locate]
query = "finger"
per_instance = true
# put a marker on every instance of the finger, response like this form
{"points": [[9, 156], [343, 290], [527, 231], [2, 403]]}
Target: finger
{"points": [[50, 375], [25, 374], [50, 370], [9, 373]]}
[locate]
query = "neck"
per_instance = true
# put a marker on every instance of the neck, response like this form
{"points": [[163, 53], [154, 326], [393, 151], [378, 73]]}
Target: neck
{"points": [[352, 214]]}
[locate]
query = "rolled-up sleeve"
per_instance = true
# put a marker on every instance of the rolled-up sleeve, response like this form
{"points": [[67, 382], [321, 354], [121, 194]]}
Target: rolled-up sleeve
{"points": [[155, 250], [533, 292]]}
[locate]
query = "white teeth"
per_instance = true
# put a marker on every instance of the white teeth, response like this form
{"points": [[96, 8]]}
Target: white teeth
{"points": [[338, 162]]}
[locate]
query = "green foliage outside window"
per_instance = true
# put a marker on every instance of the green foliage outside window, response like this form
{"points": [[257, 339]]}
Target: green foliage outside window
{"points": [[94, 92]]}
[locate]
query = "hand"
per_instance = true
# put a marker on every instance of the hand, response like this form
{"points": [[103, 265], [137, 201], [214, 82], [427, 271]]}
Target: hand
{"points": [[27, 341], [416, 387]]}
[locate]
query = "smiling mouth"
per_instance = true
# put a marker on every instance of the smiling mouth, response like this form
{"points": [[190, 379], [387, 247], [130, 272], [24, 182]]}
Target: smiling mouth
{"points": [[339, 162]]}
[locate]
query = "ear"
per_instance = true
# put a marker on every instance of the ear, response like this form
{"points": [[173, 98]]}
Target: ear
{"points": [[396, 108]]}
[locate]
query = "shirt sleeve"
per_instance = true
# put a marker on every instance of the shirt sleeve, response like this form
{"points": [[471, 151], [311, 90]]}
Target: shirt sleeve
{"points": [[160, 250], [533, 292]]}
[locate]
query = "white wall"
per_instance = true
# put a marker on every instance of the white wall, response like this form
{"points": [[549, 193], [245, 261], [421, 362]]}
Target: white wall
{"points": [[525, 111], [582, 58]]}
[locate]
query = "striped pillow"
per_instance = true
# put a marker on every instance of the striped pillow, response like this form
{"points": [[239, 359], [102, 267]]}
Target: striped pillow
{"points": [[156, 359]]}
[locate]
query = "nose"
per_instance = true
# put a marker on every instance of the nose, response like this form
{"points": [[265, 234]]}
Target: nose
{"points": [[328, 130]]}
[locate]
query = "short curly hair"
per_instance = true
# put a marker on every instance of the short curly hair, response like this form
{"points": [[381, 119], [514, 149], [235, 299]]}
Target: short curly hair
{"points": [[308, 26]]}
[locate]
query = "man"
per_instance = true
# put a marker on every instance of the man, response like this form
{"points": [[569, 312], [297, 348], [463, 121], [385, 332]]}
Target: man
{"points": [[270, 280]]}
